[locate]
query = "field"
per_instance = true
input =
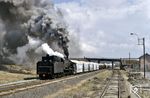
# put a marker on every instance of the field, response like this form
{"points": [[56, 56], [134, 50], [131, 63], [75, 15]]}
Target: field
{"points": [[6, 77]]}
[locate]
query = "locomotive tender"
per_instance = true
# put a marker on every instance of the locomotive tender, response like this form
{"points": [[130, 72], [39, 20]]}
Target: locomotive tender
{"points": [[54, 66]]}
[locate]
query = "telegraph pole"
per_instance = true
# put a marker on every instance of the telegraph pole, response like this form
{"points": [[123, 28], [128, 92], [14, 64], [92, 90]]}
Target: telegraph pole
{"points": [[129, 60], [144, 54], [143, 43]]}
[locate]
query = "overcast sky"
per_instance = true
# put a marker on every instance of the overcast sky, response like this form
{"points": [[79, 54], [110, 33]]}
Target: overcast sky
{"points": [[101, 28]]}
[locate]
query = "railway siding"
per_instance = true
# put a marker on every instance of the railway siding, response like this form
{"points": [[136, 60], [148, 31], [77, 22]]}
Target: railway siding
{"points": [[114, 86], [103, 85]]}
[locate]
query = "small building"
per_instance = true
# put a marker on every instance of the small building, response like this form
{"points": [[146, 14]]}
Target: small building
{"points": [[147, 62]]}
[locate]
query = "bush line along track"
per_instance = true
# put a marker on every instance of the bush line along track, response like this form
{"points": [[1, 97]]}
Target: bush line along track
{"points": [[10, 88], [112, 88]]}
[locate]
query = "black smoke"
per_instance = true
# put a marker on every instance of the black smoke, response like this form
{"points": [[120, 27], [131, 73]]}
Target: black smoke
{"points": [[25, 25]]}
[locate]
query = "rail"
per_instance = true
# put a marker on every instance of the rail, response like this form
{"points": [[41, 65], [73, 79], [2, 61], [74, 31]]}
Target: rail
{"points": [[112, 88]]}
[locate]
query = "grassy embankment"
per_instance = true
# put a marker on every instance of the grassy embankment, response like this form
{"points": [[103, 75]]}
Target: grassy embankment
{"points": [[13, 73]]}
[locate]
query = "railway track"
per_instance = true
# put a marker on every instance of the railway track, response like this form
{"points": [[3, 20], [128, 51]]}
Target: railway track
{"points": [[112, 88], [11, 88]]}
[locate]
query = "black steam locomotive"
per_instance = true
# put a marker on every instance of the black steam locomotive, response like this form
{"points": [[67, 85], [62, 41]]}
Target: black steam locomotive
{"points": [[54, 66]]}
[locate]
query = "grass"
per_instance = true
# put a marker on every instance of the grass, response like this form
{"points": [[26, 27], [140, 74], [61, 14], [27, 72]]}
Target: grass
{"points": [[137, 79], [145, 94], [6, 77], [18, 69], [85, 88]]}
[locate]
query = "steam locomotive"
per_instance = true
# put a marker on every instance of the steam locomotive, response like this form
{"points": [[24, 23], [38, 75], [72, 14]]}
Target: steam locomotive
{"points": [[54, 66]]}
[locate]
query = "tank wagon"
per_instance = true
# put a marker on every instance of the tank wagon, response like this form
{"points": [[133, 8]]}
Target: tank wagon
{"points": [[53, 66]]}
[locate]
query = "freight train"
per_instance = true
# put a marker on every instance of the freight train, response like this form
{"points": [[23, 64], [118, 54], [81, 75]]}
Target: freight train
{"points": [[54, 66]]}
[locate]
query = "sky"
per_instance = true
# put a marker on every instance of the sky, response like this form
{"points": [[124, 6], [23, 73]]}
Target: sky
{"points": [[101, 28]]}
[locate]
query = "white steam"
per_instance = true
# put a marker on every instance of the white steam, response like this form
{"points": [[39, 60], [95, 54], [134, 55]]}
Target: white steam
{"points": [[50, 52], [58, 54]]}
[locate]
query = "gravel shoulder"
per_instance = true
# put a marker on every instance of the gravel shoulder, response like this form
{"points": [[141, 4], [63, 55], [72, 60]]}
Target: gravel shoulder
{"points": [[87, 88], [137, 79]]}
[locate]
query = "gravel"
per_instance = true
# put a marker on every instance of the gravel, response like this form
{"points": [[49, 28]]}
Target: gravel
{"points": [[89, 88], [51, 88]]}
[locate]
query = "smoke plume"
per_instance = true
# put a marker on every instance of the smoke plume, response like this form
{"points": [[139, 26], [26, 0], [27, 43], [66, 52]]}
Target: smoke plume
{"points": [[49, 51], [25, 25]]}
